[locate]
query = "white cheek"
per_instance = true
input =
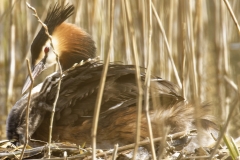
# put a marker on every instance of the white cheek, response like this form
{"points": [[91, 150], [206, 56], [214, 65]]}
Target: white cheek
{"points": [[51, 58]]}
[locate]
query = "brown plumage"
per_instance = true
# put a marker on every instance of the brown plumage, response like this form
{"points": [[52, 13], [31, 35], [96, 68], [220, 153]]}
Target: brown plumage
{"points": [[120, 126], [73, 117], [80, 42]]}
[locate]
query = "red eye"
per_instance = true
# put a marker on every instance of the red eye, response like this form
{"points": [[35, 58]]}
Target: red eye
{"points": [[46, 50]]}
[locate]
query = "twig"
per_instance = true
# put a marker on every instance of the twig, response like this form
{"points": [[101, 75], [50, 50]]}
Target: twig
{"points": [[138, 81], [29, 34], [27, 110], [101, 87], [37, 150], [74, 149], [167, 45], [196, 157], [147, 83], [60, 80], [231, 83], [65, 155], [232, 14], [114, 155], [146, 142]]}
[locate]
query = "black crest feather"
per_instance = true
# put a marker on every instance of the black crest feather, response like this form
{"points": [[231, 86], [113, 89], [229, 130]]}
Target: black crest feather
{"points": [[57, 15]]}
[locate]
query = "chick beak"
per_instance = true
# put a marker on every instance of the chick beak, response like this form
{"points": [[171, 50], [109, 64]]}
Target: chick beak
{"points": [[36, 70]]}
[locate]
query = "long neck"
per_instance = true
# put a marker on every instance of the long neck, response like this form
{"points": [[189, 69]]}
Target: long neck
{"points": [[76, 45]]}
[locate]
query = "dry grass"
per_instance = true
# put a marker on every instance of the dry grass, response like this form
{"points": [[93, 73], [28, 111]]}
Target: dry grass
{"points": [[202, 37]]}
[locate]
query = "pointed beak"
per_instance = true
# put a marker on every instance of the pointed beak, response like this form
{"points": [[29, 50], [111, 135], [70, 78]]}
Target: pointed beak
{"points": [[36, 70]]}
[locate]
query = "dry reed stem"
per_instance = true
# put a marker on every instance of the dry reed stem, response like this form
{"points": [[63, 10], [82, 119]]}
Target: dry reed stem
{"points": [[167, 45], [103, 34], [138, 81], [147, 82], [126, 34], [199, 48], [11, 73], [27, 110], [232, 15], [144, 31], [184, 60], [230, 115], [224, 30], [59, 82], [102, 85], [191, 42], [170, 24], [193, 70], [170, 36]]}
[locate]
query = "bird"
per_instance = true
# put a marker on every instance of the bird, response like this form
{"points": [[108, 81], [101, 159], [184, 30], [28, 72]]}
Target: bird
{"points": [[78, 93]]}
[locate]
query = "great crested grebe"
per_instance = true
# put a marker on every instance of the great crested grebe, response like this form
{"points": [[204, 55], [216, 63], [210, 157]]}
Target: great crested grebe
{"points": [[78, 93]]}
